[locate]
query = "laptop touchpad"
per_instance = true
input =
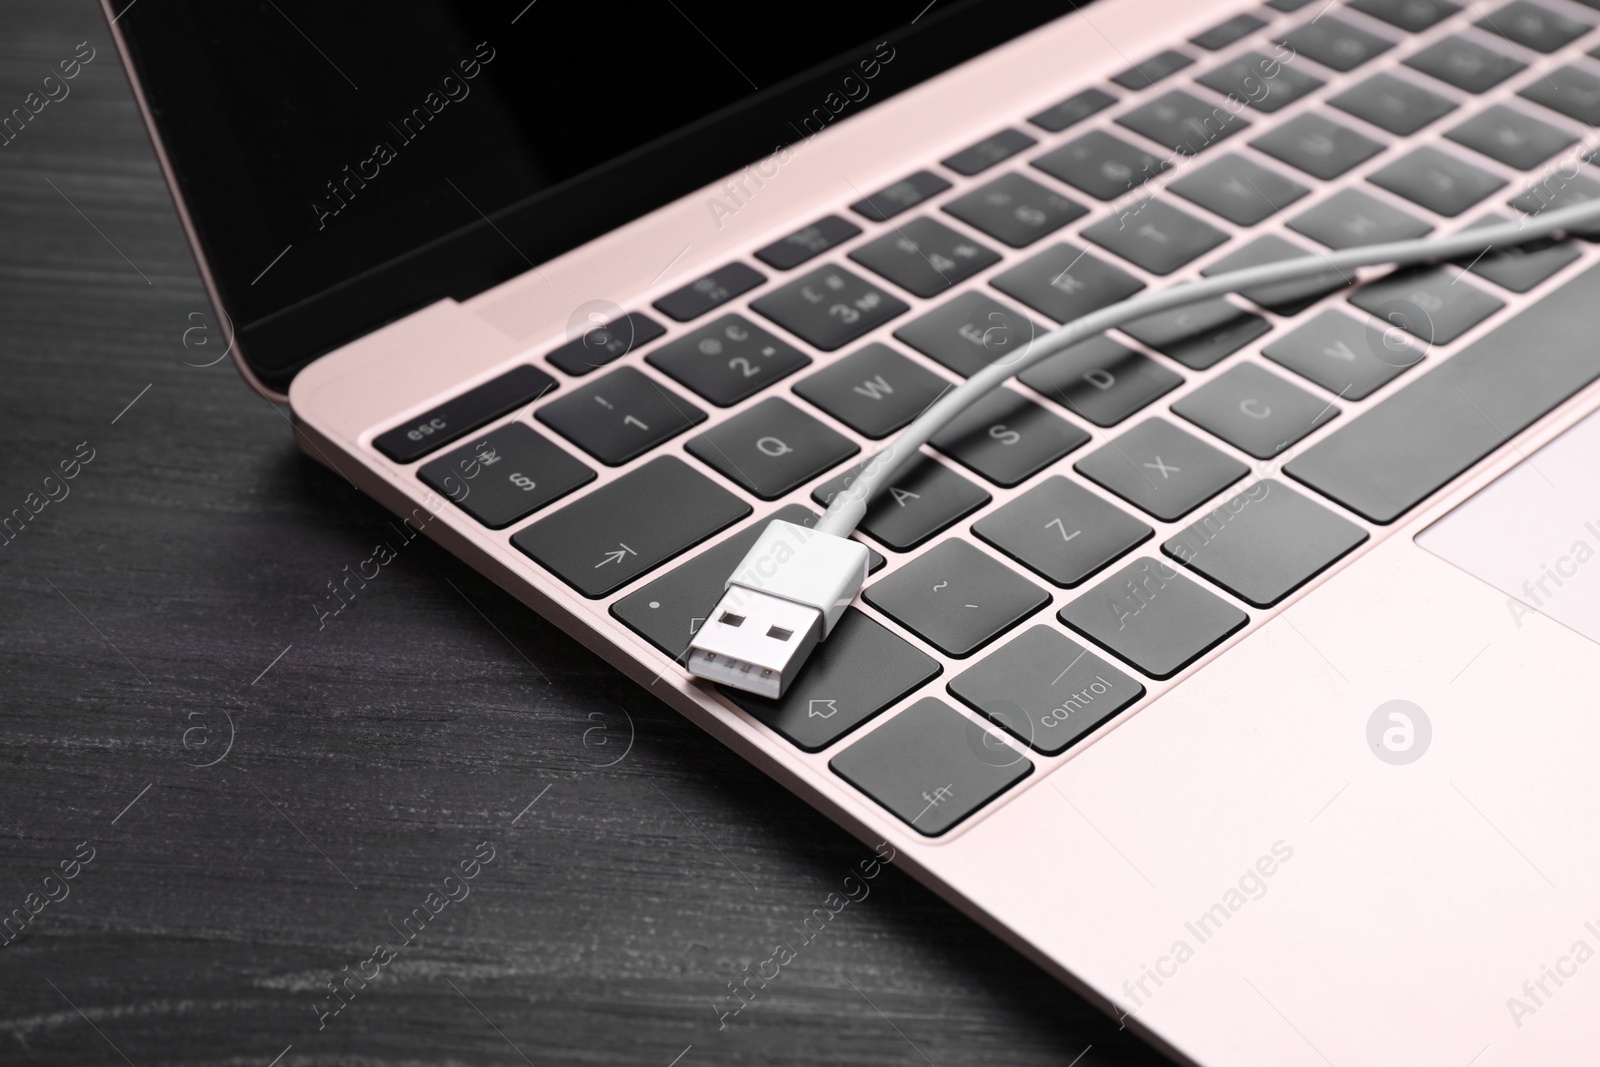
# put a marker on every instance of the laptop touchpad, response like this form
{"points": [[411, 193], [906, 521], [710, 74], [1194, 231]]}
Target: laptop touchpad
{"points": [[1534, 533]]}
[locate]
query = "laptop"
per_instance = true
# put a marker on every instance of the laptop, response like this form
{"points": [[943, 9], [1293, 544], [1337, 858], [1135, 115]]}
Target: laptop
{"points": [[1236, 666]]}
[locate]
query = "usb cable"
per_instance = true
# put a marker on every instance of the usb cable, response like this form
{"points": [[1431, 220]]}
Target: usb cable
{"points": [[794, 584]]}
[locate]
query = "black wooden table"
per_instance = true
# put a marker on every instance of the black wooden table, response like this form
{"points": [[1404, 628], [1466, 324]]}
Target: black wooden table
{"points": [[249, 800]]}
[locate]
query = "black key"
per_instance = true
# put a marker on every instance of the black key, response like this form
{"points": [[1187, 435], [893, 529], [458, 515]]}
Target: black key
{"points": [[1065, 282], [620, 416], [1235, 29], [970, 331], [1182, 123], [1515, 139], [461, 415], [991, 150], [714, 290], [1045, 690], [1152, 70], [1153, 617], [1519, 267], [931, 766], [1008, 438], [1199, 335], [956, 598], [1350, 218], [858, 671], [924, 256], [1348, 358], [1287, 5], [605, 344], [505, 475], [1073, 110], [728, 360], [1533, 26], [1413, 16], [1160, 468], [875, 391], [1388, 459], [1241, 191], [829, 307], [1015, 210], [1101, 165], [1321, 148], [1427, 303], [1465, 64], [1101, 380], [802, 245], [1061, 531], [903, 195], [1264, 543], [1285, 298], [1558, 191], [771, 448], [923, 502], [1573, 92], [1254, 410], [1260, 81], [1156, 236], [1335, 43], [667, 611], [603, 541], [1392, 104], [1438, 181]]}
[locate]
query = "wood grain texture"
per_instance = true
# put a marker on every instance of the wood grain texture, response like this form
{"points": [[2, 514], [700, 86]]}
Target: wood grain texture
{"points": [[379, 750]]}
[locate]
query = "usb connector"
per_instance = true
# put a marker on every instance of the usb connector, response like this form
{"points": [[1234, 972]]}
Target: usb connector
{"points": [[786, 595]]}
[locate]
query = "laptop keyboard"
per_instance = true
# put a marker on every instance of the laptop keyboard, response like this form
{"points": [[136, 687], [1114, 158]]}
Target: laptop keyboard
{"points": [[1126, 500]]}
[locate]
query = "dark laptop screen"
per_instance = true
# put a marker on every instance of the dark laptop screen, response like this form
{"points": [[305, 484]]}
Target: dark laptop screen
{"points": [[342, 160]]}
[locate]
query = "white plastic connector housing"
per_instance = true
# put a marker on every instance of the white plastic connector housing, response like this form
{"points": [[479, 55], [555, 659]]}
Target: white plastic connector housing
{"points": [[784, 597]]}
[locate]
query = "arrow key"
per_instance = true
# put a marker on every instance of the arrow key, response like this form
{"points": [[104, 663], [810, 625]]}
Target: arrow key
{"points": [[1343, 355]]}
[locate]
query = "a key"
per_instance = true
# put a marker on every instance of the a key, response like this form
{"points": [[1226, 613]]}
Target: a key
{"points": [[969, 332], [857, 672], [1101, 165], [920, 504], [1183, 123], [931, 766], [807, 243], [1287, 5], [1467, 65], [620, 416], [1320, 147], [1240, 190], [1260, 81], [1061, 531], [924, 257], [1156, 68], [505, 475], [1560, 191], [1533, 26], [1335, 43], [1254, 410], [956, 598], [875, 391], [1065, 282], [1198, 335], [1413, 16], [605, 344], [1046, 691], [1153, 617], [771, 448], [1101, 380], [727, 360], [993, 149], [1513, 138], [1073, 110], [1160, 468], [1392, 104], [903, 195], [459, 416], [1015, 210], [1438, 181], [829, 307], [714, 290], [602, 541], [1223, 34], [1008, 438], [1156, 236], [1518, 267], [1427, 302], [1348, 358], [1350, 218], [1264, 543], [1285, 298], [1571, 91]]}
